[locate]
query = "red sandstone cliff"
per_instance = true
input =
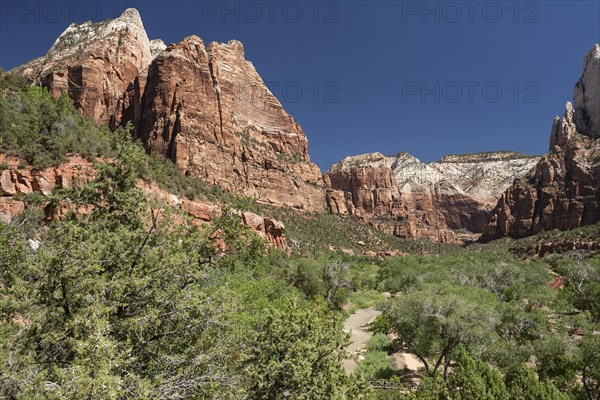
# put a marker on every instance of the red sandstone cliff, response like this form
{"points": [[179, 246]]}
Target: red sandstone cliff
{"points": [[445, 201], [204, 107], [564, 192], [207, 109]]}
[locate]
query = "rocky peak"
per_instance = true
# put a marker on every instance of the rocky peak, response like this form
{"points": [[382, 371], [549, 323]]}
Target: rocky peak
{"points": [[409, 198], [77, 37], [208, 110], [234, 47], [564, 190], [587, 95], [563, 129], [156, 47], [362, 161], [484, 157], [98, 66]]}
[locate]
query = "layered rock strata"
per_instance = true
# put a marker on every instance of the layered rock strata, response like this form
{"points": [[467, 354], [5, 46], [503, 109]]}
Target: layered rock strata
{"points": [[207, 109], [446, 201]]}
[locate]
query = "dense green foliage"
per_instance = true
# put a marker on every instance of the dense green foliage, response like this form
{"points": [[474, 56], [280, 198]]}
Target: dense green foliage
{"points": [[41, 130], [124, 303], [477, 320]]}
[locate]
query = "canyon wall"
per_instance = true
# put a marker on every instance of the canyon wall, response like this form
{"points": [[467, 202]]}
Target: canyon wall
{"points": [[204, 107], [447, 201], [564, 191]]}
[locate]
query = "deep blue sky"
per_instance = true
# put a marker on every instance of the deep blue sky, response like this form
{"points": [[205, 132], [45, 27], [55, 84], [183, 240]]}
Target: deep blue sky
{"points": [[374, 60]]}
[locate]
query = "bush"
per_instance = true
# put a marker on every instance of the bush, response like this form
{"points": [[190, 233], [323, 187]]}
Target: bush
{"points": [[376, 365], [43, 130], [379, 342]]}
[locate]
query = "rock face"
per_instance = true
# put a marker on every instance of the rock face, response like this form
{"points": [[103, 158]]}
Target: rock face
{"points": [[564, 191], [587, 93], [203, 107], [445, 201], [16, 181], [97, 65], [207, 109]]}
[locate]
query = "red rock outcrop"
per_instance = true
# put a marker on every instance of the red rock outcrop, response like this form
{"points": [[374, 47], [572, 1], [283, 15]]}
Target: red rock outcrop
{"points": [[207, 109], [564, 192], [16, 180], [203, 107]]}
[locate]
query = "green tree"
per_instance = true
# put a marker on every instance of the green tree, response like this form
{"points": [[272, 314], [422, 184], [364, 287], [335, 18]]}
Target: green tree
{"points": [[472, 379], [555, 360], [337, 280], [433, 321], [522, 384], [589, 365], [298, 354]]}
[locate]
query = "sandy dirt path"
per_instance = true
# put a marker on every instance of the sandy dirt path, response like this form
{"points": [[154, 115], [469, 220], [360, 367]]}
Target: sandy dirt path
{"points": [[357, 325]]}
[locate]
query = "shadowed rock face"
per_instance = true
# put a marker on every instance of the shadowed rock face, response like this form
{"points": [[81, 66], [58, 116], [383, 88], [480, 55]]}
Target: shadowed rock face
{"points": [[447, 201], [204, 107], [587, 95], [564, 192]]}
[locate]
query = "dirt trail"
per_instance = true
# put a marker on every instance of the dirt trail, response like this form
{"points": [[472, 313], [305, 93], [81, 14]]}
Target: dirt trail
{"points": [[357, 325]]}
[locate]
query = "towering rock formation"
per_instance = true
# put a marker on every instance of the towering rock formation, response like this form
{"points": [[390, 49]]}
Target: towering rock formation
{"points": [[97, 65], [564, 192], [204, 107], [446, 201], [207, 109]]}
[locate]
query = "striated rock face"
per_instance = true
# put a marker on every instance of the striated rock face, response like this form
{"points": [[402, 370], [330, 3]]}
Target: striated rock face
{"points": [[97, 65], [207, 109], [445, 201], [16, 181], [203, 107]]}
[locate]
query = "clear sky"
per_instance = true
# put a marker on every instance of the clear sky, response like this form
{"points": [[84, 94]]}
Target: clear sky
{"points": [[426, 77]]}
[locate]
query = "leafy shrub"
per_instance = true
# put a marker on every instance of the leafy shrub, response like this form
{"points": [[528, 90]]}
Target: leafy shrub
{"points": [[376, 365], [379, 342], [43, 130]]}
